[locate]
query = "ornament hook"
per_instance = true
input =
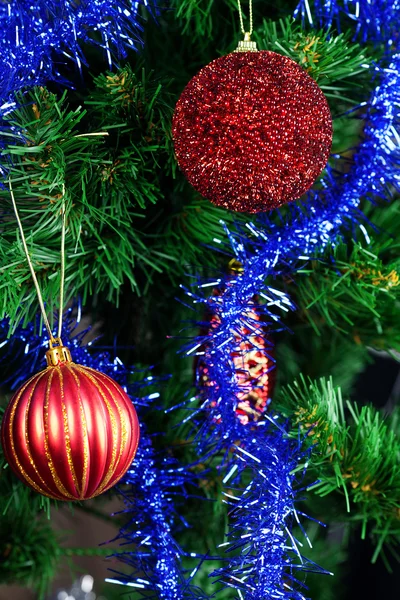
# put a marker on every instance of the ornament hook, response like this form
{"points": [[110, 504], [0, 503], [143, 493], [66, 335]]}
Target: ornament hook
{"points": [[247, 45], [235, 267], [57, 353]]}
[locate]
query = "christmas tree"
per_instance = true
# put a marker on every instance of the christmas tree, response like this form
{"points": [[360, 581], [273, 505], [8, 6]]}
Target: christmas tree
{"points": [[198, 214]]}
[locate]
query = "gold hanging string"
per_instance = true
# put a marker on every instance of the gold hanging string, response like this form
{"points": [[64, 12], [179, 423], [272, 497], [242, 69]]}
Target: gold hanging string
{"points": [[32, 270], [62, 266], [247, 45], [247, 34]]}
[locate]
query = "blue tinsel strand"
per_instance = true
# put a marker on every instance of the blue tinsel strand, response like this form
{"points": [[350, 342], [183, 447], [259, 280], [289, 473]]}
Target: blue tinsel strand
{"points": [[152, 484], [23, 354], [154, 566], [372, 21], [40, 38], [262, 518], [37, 37], [214, 409]]}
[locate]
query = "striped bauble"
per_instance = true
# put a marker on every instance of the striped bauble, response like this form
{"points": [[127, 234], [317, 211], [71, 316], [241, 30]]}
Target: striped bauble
{"points": [[70, 432]]}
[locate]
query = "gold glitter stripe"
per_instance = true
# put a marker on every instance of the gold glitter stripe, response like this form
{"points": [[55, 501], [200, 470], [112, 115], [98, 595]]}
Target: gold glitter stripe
{"points": [[114, 462], [52, 468], [104, 489], [84, 430], [66, 433], [27, 436], [124, 429], [22, 471], [97, 493]]}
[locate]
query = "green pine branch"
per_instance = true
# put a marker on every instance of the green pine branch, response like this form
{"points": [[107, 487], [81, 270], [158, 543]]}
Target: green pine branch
{"points": [[115, 159], [356, 293], [194, 224], [354, 455], [201, 18], [110, 162], [143, 104]]}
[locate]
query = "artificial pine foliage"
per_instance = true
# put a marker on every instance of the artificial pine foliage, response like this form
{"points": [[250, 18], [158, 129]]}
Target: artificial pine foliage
{"points": [[211, 505]]}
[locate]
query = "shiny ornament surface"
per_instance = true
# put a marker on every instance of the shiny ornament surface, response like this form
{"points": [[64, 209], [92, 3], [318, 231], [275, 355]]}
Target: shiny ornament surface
{"points": [[70, 432], [252, 131]]}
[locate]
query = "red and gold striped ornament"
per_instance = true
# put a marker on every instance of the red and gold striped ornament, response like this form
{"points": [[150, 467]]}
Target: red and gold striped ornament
{"points": [[69, 432]]}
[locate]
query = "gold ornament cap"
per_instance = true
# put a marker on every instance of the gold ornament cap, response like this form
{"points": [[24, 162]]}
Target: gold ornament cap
{"points": [[247, 45], [235, 267], [57, 353]]}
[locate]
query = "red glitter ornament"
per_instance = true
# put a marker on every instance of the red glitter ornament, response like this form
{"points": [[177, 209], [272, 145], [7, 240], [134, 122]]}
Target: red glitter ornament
{"points": [[254, 367], [252, 131], [70, 432]]}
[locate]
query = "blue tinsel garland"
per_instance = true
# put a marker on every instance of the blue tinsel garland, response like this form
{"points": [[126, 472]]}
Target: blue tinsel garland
{"points": [[371, 20], [263, 516], [38, 38], [154, 564], [41, 39]]}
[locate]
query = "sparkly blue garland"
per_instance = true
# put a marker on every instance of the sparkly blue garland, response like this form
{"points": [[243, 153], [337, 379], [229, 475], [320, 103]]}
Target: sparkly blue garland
{"points": [[150, 507], [263, 516], [39, 39], [372, 21], [213, 409]]}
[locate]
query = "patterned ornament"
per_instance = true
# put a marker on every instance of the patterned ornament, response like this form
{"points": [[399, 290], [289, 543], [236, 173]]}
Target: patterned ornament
{"points": [[252, 131], [253, 364], [69, 432]]}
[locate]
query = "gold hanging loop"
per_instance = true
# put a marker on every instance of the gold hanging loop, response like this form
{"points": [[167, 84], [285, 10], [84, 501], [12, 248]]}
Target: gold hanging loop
{"points": [[52, 339], [247, 45], [58, 353]]}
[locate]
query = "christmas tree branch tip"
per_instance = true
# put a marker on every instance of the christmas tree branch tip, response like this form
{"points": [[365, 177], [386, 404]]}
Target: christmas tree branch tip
{"points": [[354, 453]]}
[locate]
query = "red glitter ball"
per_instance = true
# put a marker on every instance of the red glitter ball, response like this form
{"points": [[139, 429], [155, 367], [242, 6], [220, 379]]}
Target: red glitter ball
{"points": [[252, 131]]}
